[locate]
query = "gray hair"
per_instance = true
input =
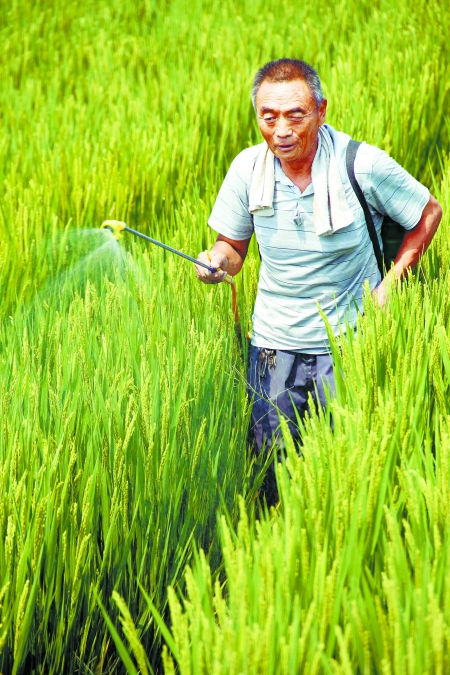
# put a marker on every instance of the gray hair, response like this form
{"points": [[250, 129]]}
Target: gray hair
{"points": [[287, 70]]}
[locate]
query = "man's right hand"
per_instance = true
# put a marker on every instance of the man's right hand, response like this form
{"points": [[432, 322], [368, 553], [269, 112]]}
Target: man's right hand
{"points": [[212, 259]]}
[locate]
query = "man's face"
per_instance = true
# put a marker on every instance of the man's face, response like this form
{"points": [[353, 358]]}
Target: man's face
{"points": [[289, 119]]}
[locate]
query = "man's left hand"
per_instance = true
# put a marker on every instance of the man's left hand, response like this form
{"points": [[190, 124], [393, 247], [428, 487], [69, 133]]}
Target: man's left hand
{"points": [[380, 293]]}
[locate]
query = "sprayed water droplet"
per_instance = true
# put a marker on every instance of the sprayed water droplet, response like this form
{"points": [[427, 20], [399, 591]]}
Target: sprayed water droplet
{"points": [[80, 257]]}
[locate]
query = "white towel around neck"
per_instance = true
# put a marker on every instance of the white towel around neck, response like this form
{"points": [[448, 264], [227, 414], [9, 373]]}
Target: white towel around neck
{"points": [[330, 209]]}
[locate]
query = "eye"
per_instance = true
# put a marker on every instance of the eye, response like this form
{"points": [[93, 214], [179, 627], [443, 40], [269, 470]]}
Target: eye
{"points": [[296, 118]]}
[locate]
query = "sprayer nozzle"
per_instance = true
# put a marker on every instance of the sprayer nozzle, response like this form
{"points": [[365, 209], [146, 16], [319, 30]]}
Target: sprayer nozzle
{"points": [[116, 227]]}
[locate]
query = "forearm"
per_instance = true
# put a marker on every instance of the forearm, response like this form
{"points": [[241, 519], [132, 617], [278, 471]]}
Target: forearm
{"points": [[235, 258], [417, 241], [413, 247]]}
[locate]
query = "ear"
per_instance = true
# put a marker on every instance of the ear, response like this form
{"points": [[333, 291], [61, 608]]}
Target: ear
{"points": [[322, 111]]}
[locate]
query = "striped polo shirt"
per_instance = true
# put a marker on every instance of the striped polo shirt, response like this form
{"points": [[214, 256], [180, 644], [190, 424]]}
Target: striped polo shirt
{"points": [[300, 270]]}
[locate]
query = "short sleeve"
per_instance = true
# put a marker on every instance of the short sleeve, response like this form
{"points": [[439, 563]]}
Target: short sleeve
{"points": [[392, 191], [230, 215]]}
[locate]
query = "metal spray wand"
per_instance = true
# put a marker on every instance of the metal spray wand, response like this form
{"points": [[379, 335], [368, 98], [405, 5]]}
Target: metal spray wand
{"points": [[117, 227]]}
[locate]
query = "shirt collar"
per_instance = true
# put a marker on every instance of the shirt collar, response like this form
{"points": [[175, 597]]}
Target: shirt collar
{"points": [[280, 177]]}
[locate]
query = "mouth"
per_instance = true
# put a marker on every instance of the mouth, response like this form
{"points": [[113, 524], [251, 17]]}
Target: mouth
{"points": [[286, 148]]}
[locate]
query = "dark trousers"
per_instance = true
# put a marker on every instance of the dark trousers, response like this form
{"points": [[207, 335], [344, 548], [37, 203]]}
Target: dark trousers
{"points": [[279, 383]]}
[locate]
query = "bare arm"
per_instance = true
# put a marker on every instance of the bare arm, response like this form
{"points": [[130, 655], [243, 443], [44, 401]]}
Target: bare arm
{"points": [[226, 254], [413, 247]]}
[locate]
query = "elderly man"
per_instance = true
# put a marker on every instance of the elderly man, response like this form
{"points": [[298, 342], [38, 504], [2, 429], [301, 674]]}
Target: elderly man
{"points": [[293, 191]]}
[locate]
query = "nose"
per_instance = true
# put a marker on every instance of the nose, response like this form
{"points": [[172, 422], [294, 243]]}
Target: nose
{"points": [[283, 128]]}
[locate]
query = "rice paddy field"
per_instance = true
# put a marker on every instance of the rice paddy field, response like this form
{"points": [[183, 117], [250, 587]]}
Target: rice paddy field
{"points": [[132, 538]]}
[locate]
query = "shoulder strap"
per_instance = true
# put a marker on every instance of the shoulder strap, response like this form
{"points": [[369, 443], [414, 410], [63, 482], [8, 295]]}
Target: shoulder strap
{"points": [[350, 163]]}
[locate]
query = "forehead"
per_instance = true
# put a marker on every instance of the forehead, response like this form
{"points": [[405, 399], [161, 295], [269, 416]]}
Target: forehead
{"points": [[284, 95]]}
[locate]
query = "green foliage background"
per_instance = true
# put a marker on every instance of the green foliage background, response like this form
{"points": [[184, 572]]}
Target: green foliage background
{"points": [[123, 410]]}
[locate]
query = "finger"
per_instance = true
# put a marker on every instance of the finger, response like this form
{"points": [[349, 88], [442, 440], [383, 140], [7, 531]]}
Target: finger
{"points": [[218, 276], [216, 260], [210, 277], [210, 260], [202, 272], [219, 261]]}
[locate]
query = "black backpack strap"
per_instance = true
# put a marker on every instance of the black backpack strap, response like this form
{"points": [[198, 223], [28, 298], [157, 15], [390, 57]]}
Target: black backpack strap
{"points": [[350, 162]]}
